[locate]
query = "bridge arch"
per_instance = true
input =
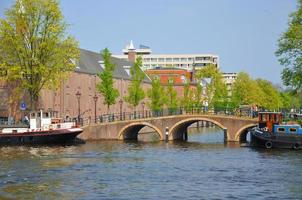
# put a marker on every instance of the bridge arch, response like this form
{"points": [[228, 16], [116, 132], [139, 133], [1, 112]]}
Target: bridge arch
{"points": [[241, 134], [130, 131], [177, 130]]}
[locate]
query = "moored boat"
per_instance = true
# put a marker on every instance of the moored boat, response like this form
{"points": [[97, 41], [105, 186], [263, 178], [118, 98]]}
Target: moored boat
{"points": [[42, 129], [271, 132]]}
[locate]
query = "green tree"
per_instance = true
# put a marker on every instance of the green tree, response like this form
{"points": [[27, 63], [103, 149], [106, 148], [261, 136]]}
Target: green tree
{"points": [[198, 98], [187, 99], [271, 96], [135, 90], [171, 97], [290, 50], [157, 96], [246, 91], [35, 52], [217, 95], [105, 86]]}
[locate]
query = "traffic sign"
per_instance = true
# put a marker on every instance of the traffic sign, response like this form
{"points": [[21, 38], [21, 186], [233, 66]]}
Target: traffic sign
{"points": [[23, 106]]}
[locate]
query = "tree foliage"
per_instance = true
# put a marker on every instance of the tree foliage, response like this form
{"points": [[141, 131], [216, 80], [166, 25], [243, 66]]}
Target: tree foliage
{"points": [[271, 99], [216, 89], [135, 90], [260, 92], [290, 50], [105, 86], [246, 91], [187, 99], [35, 52], [171, 97], [156, 95]]}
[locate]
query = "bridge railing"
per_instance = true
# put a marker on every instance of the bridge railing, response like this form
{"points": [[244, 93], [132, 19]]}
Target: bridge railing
{"points": [[142, 114]]}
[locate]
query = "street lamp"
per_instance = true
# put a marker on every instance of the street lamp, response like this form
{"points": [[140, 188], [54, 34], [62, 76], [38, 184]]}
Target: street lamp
{"points": [[143, 106], [121, 108], [78, 95], [95, 98]]}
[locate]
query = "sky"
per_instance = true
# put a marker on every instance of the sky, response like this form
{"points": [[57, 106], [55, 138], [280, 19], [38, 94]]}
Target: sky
{"points": [[243, 33]]}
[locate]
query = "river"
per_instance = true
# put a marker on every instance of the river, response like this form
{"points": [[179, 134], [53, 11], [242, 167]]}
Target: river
{"points": [[201, 168]]}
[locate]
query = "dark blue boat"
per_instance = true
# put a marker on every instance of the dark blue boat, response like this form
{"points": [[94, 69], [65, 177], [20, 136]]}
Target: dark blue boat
{"points": [[271, 132]]}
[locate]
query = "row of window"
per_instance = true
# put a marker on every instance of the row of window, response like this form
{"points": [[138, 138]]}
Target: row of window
{"points": [[291, 130], [168, 59], [160, 66]]}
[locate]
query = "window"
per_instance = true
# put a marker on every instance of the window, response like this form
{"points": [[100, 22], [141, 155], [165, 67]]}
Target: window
{"points": [[161, 60], [199, 58], [175, 59], [281, 130], [147, 59], [292, 130], [184, 59], [190, 59], [153, 59], [168, 59]]}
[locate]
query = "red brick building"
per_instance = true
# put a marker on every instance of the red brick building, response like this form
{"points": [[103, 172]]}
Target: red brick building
{"points": [[179, 76]]}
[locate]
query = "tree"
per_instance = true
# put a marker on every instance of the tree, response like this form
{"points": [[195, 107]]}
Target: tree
{"points": [[216, 90], [271, 97], [156, 95], [35, 52], [245, 91], [105, 86], [135, 90], [290, 51], [171, 97], [187, 100]]}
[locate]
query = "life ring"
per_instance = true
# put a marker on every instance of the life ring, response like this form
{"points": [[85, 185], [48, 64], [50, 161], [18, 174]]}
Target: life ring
{"points": [[268, 144], [296, 146]]}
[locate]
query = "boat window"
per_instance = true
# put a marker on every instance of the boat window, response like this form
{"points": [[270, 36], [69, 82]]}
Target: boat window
{"points": [[293, 130], [260, 118], [275, 118], [281, 129]]}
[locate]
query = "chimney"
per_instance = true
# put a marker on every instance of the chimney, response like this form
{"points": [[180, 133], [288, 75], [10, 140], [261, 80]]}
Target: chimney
{"points": [[131, 55], [131, 52]]}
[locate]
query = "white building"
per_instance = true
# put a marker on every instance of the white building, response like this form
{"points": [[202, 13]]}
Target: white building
{"points": [[183, 61], [229, 79]]}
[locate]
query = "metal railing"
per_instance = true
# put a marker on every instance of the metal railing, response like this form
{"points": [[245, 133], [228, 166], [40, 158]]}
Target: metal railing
{"points": [[125, 116]]}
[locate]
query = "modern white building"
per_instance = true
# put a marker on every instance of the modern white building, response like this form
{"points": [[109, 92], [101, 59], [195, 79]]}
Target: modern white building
{"points": [[229, 79], [183, 61]]}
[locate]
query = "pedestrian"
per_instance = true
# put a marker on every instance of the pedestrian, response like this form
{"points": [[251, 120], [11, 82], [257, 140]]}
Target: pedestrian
{"points": [[26, 120]]}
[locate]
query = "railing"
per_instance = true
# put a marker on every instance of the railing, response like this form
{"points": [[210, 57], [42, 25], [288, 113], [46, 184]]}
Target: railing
{"points": [[124, 116]]}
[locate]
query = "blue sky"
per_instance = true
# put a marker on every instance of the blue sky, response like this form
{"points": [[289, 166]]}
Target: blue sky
{"points": [[243, 33]]}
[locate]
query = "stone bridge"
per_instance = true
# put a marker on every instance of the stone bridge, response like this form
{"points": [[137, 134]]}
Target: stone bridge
{"points": [[235, 128]]}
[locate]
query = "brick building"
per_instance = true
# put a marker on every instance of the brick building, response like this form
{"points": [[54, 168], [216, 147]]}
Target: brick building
{"points": [[83, 80], [179, 76]]}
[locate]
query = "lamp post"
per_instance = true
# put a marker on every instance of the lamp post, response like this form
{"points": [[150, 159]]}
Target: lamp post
{"points": [[95, 98], [121, 108], [78, 95], [143, 106]]}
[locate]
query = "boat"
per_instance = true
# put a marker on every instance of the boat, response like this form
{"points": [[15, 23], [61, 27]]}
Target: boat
{"points": [[42, 128], [272, 132]]}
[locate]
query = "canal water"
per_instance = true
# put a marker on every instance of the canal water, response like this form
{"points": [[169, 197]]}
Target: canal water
{"points": [[201, 168]]}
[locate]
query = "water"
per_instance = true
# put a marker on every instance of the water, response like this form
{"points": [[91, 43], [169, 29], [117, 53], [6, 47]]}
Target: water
{"points": [[202, 168]]}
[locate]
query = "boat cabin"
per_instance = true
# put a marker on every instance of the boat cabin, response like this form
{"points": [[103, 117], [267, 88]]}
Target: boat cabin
{"points": [[288, 129], [269, 120], [47, 120]]}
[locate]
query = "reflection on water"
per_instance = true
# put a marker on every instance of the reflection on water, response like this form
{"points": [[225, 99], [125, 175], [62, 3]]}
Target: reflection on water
{"points": [[202, 168]]}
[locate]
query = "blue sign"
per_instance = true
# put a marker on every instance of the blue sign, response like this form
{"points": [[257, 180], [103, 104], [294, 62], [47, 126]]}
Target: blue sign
{"points": [[23, 106]]}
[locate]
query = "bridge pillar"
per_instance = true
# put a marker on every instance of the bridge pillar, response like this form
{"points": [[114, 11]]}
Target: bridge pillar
{"points": [[225, 135]]}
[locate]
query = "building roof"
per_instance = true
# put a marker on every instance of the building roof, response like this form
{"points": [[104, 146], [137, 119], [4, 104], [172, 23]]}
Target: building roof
{"points": [[90, 63]]}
